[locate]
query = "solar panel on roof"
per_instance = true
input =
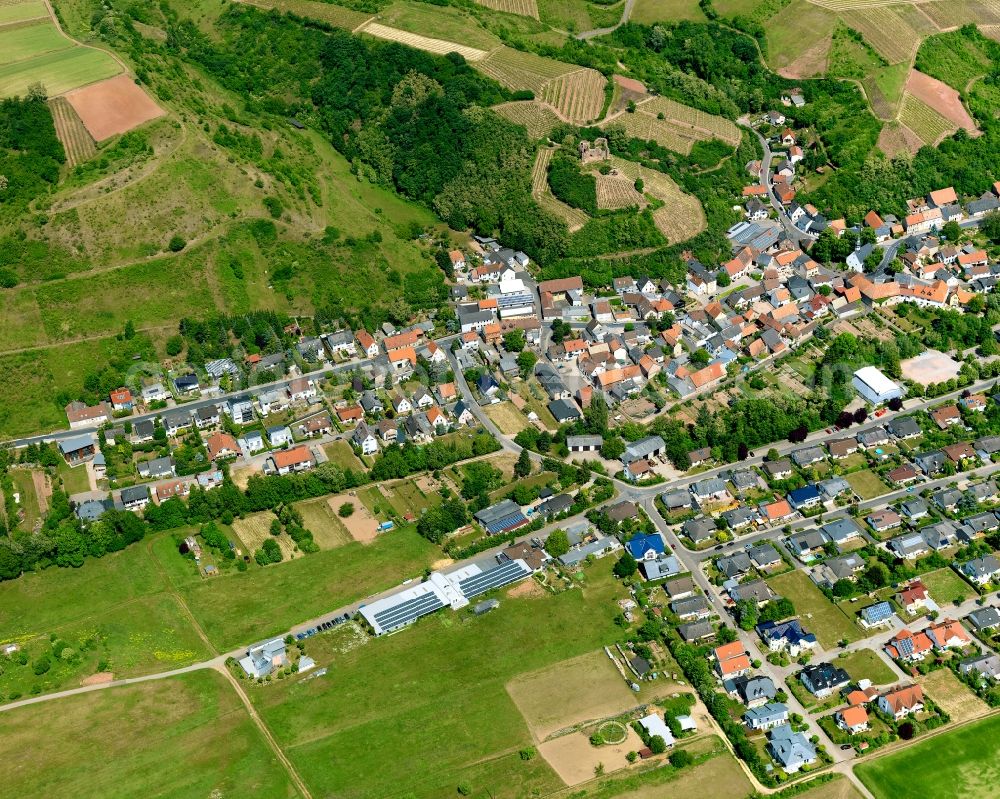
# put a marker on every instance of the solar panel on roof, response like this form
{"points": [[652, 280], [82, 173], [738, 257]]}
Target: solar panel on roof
{"points": [[407, 611], [505, 522], [492, 578]]}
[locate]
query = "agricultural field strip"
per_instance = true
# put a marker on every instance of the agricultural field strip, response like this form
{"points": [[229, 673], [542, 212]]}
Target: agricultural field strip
{"points": [[16, 13], [426, 43], [923, 120], [577, 96], [523, 8], [887, 32], [335, 15], [77, 142], [24, 43]]}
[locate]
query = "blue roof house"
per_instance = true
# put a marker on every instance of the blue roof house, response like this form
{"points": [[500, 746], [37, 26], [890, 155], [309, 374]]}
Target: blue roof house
{"points": [[805, 497], [646, 546]]}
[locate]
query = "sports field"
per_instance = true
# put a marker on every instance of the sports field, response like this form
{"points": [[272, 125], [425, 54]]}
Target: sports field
{"points": [[186, 737], [959, 763], [442, 705]]}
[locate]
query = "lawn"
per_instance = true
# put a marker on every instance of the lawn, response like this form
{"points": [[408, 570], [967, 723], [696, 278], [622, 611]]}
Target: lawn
{"points": [[58, 71], [867, 484], [74, 478], [864, 664], [946, 587], [25, 487], [958, 763], [441, 700], [188, 736], [327, 529], [534, 398], [506, 417], [340, 453], [816, 612]]}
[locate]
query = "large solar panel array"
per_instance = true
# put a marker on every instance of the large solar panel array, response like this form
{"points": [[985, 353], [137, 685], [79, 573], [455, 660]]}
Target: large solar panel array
{"points": [[507, 522], [408, 611], [492, 578]]}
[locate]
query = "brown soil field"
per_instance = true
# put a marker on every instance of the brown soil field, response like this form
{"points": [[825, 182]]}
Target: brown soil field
{"points": [[113, 106], [100, 678], [361, 524], [585, 688], [896, 138], [526, 589], [812, 62], [574, 759], [43, 490], [941, 97]]}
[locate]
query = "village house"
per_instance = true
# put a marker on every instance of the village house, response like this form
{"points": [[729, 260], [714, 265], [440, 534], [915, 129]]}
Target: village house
{"points": [[297, 459]]}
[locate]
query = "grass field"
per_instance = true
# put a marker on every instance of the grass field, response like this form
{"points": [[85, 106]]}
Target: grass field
{"points": [[816, 612], [442, 700], [798, 38], [340, 453], [319, 518], [564, 694], [238, 608], [19, 12], [508, 418], [337, 16], [29, 41], [867, 484], [255, 529], [74, 478], [838, 788], [25, 487], [721, 776], [115, 609], [954, 697], [188, 736], [58, 71], [946, 587], [865, 664], [646, 12], [962, 762]]}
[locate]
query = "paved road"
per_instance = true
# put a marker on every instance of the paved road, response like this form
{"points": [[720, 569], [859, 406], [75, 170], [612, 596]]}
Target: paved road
{"points": [[791, 231], [350, 366]]}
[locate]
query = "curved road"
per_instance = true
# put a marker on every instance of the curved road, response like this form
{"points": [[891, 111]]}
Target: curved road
{"points": [[626, 13]]}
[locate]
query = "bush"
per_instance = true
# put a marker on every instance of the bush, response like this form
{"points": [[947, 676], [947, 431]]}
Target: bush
{"points": [[41, 665], [681, 758], [657, 745], [274, 206], [176, 244], [346, 510]]}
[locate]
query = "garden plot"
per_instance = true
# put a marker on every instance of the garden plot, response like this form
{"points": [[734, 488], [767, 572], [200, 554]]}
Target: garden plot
{"points": [[361, 525], [522, 8], [255, 529], [425, 43], [321, 519]]}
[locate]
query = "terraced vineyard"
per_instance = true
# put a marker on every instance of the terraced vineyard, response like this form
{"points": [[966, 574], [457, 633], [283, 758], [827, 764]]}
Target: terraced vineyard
{"points": [[574, 217], [578, 96], [517, 70], [537, 117], [696, 123], [891, 36], [681, 215], [617, 192], [649, 128], [523, 8], [881, 106], [76, 141], [338, 16], [425, 43], [923, 120], [955, 13]]}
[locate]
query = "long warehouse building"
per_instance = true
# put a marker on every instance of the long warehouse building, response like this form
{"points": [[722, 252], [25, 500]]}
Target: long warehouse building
{"points": [[438, 591]]}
